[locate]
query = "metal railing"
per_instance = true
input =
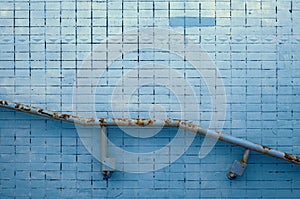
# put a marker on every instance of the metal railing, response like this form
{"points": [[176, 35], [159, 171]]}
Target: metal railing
{"points": [[236, 169]]}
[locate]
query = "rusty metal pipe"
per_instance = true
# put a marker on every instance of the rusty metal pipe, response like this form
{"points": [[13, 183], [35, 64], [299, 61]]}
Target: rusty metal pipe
{"points": [[152, 123]]}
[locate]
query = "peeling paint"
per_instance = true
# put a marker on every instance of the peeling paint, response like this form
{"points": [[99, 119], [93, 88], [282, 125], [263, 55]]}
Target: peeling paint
{"points": [[292, 158], [3, 102], [267, 149]]}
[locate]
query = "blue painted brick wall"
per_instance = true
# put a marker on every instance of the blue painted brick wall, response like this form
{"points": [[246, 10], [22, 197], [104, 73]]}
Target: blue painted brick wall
{"points": [[253, 43]]}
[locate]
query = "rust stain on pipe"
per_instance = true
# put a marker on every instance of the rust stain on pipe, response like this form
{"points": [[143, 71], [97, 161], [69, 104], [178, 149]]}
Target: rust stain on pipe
{"points": [[102, 121], [3, 102], [140, 122], [65, 116], [292, 158], [267, 149]]}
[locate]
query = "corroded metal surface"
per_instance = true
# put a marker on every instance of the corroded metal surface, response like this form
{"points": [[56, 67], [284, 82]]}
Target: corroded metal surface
{"points": [[145, 122]]}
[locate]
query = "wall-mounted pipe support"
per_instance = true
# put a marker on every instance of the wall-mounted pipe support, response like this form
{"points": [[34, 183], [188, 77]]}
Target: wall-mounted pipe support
{"points": [[238, 167], [108, 163], [154, 123]]}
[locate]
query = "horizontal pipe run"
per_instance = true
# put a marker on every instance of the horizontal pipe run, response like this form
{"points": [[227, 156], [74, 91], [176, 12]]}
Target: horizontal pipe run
{"points": [[152, 123]]}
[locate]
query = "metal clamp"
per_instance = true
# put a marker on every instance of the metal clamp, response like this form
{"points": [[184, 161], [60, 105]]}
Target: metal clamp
{"points": [[238, 167]]}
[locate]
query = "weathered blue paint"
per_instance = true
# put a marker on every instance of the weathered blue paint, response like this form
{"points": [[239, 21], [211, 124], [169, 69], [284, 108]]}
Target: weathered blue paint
{"points": [[192, 21]]}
